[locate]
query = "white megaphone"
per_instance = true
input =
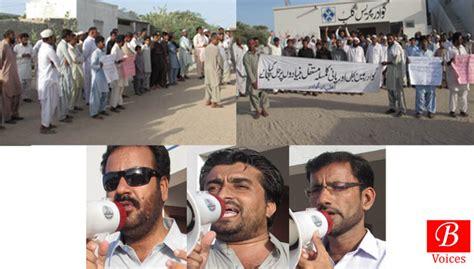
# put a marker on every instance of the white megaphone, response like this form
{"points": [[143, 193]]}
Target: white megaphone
{"points": [[202, 210], [302, 226], [103, 217]]}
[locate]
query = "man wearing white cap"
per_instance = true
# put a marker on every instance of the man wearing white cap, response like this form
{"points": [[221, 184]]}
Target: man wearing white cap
{"points": [[184, 53], [394, 74], [374, 51], [356, 52], [200, 43], [48, 82]]}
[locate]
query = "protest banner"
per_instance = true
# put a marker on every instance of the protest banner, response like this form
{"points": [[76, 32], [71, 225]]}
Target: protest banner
{"points": [[277, 72], [109, 68], [129, 66], [463, 65], [425, 71]]}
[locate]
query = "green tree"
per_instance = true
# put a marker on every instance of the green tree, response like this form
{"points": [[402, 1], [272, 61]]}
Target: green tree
{"points": [[174, 22], [245, 32]]}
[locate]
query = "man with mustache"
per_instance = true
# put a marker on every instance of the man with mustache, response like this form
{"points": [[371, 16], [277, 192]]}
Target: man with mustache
{"points": [[251, 187], [342, 184], [138, 178]]}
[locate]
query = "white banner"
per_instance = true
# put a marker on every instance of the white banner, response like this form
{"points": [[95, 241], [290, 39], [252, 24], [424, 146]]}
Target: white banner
{"points": [[278, 72], [425, 71], [109, 68]]}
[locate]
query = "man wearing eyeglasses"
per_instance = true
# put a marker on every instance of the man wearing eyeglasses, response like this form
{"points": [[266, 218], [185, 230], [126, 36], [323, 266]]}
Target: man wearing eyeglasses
{"points": [[251, 187], [342, 185], [138, 177]]}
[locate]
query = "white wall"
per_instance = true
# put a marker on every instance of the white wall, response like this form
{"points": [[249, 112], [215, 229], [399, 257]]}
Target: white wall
{"points": [[306, 20], [50, 8]]}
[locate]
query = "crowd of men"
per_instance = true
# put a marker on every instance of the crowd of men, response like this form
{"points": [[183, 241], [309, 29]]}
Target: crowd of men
{"points": [[391, 51], [71, 69]]}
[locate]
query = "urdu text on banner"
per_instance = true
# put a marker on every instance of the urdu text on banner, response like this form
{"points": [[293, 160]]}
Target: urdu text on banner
{"points": [[292, 73]]}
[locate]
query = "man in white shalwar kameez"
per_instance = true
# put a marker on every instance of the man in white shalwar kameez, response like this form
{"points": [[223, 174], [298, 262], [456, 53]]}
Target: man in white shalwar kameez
{"points": [[99, 87], [394, 74], [457, 92], [375, 54], [356, 52], [241, 76], [184, 53], [275, 50], [24, 56], [118, 86], [65, 80], [87, 48], [200, 43], [48, 82]]}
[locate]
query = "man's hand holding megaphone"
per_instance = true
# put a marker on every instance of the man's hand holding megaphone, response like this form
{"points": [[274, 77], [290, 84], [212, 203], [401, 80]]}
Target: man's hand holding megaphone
{"points": [[318, 259], [93, 261], [198, 257]]}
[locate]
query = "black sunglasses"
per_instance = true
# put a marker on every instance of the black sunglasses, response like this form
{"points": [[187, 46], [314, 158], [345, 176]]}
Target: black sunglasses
{"points": [[134, 177]]}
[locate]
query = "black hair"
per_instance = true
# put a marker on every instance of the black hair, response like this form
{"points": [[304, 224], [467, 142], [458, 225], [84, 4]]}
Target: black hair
{"points": [[272, 180], [213, 36], [457, 35], [129, 34], [7, 33], [120, 38], [114, 31], [92, 29], [99, 39], [164, 34], [23, 35], [147, 37], [65, 33], [137, 47], [162, 159], [276, 39], [197, 28], [361, 168]]}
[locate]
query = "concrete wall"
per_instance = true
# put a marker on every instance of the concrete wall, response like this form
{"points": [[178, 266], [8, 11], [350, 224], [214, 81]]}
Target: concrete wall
{"points": [[307, 20], [465, 10], [101, 15]]}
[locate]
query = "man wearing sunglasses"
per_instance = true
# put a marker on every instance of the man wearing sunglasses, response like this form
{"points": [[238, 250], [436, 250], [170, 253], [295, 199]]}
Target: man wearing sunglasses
{"points": [[138, 177], [342, 184], [251, 187]]}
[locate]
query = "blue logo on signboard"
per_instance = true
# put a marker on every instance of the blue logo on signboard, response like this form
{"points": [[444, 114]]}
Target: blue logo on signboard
{"points": [[328, 14]]}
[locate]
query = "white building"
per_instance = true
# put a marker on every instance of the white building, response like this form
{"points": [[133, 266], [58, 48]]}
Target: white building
{"points": [[452, 15], [369, 17], [87, 12]]}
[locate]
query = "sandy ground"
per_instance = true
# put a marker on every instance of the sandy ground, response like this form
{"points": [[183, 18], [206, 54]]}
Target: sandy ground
{"points": [[332, 119], [176, 115]]}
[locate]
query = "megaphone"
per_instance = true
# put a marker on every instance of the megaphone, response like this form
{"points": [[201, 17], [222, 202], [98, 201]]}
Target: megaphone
{"points": [[202, 210], [302, 226], [104, 216]]}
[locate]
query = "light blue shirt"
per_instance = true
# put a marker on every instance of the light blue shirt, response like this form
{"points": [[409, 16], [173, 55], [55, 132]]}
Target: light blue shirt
{"points": [[121, 256], [422, 53]]}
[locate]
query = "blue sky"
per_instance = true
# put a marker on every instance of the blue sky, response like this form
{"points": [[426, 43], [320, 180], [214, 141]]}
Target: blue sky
{"points": [[260, 12], [217, 12]]}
